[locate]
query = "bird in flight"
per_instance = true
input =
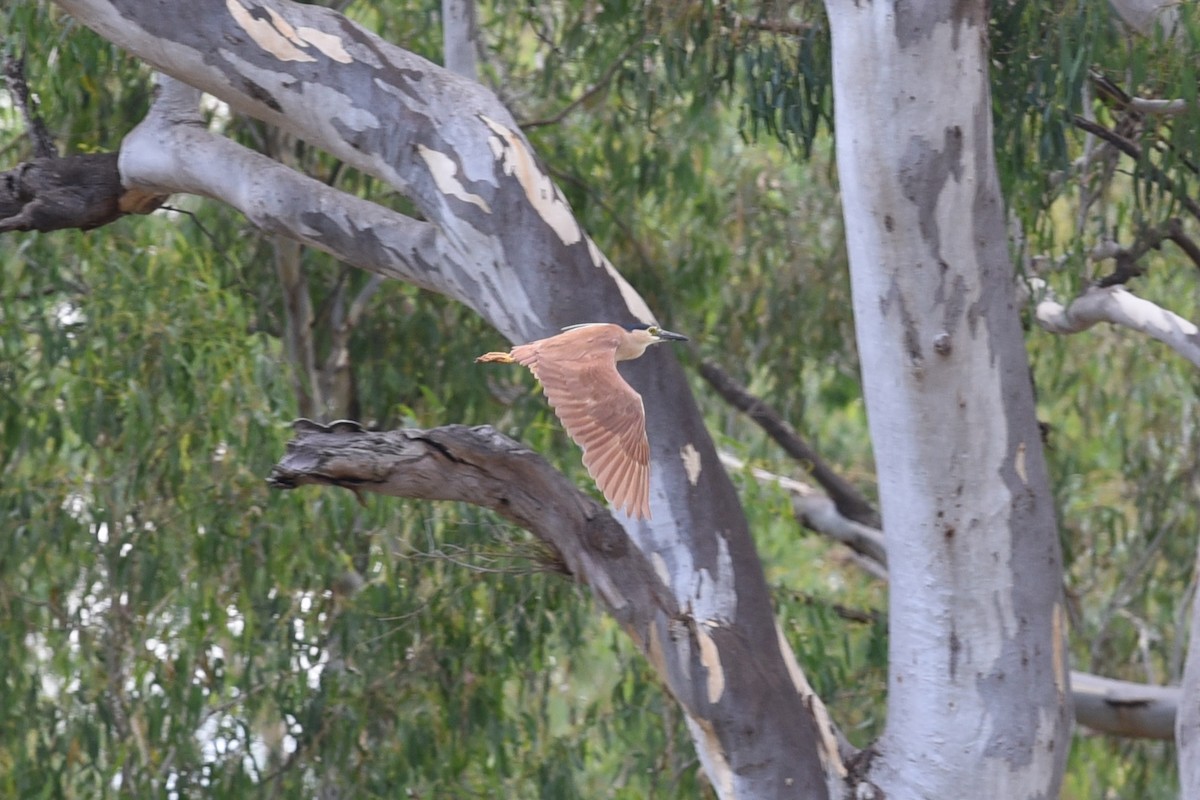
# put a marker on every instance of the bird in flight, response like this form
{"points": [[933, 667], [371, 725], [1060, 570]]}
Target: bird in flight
{"points": [[600, 411]]}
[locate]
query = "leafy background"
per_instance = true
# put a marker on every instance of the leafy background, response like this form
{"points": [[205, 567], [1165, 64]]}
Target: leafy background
{"points": [[171, 627]]}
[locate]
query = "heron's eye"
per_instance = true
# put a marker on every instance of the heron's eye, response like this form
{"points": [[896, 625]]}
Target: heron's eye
{"points": [[652, 330]]}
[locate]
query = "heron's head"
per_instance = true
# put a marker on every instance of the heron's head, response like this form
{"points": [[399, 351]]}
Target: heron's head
{"points": [[639, 337]]}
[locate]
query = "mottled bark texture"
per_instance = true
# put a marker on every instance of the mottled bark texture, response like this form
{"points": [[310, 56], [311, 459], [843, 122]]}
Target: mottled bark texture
{"points": [[495, 233], [1187, 722], [976, 647]]}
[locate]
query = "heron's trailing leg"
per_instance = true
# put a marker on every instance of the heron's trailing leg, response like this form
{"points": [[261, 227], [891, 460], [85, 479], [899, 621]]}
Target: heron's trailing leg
{"points": [[502, 358]]}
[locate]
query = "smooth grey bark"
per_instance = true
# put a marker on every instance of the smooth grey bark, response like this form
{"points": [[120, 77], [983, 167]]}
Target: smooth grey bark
{"points": [[460, 35], [978, 683], [1125, 708], [496, 234], [1187, 721], [1150, 17]]}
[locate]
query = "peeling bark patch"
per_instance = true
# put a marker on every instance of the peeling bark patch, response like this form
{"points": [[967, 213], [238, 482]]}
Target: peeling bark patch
{"points": [[914, 22], [1019, 463], [272, 33], [1058, 656], [633, 301], [923, 176], [445, 172], [691, 462], [831, 759], [660, 569], [654, 650], [912, 342], [329, 45], [712, 755], [710, 657], [974, 314], [713, 591], [953, 302], [540, 191]]}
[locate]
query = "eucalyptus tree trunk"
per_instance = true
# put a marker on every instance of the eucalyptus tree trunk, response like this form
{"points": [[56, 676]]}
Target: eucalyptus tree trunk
{"points": [[459, 36], [978, 686], [1187, 720], [495, 233]]}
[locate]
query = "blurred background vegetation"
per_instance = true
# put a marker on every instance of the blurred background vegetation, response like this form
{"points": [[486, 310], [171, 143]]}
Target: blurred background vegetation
{"points": [[169, 627]]}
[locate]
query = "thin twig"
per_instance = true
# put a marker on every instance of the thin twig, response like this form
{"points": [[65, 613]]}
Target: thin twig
{"points": [[14, 76], [771, 25], [1119, 98], [1149, 238], [1133, 150], [589, 93]]}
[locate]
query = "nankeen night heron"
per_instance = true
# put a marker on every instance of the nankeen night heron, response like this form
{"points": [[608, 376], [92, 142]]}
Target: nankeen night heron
{"points": [[601, 412]]}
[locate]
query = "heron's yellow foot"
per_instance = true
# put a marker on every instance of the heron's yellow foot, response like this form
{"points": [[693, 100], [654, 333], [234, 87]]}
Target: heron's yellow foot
{"points": [[503, 358]]}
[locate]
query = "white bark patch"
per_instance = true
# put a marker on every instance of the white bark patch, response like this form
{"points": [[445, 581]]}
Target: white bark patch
{"points": [[710, 657], [712, 757], [691, 462], [605, 587], [329, 45], [1019, 463], [633, 301], [831, 760], [283, 26], [540, 191], [267, 35], [654, 651], [1059, 658], [714, 596], [445, 172], [660, 569]]}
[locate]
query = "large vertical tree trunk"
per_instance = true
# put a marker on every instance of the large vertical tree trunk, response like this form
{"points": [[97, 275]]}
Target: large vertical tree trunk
{"points": [[1187, 720], [978, 682]]}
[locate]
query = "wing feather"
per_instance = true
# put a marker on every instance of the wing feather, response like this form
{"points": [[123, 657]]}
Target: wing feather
{"points": [[599, 410], [625, 482]]}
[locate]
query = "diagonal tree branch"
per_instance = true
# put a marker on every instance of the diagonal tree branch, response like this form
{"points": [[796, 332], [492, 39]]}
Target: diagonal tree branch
{"points": [[18, 87], [786, 26], [1117, 305], [850, 502], [1134, 151], [816, 510], [171, 152], [485, 468], [601, 84], [1148, 239]]}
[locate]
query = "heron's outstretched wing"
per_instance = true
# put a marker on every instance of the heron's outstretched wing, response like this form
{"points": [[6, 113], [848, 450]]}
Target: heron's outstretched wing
{"points": [[599, 410]]}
